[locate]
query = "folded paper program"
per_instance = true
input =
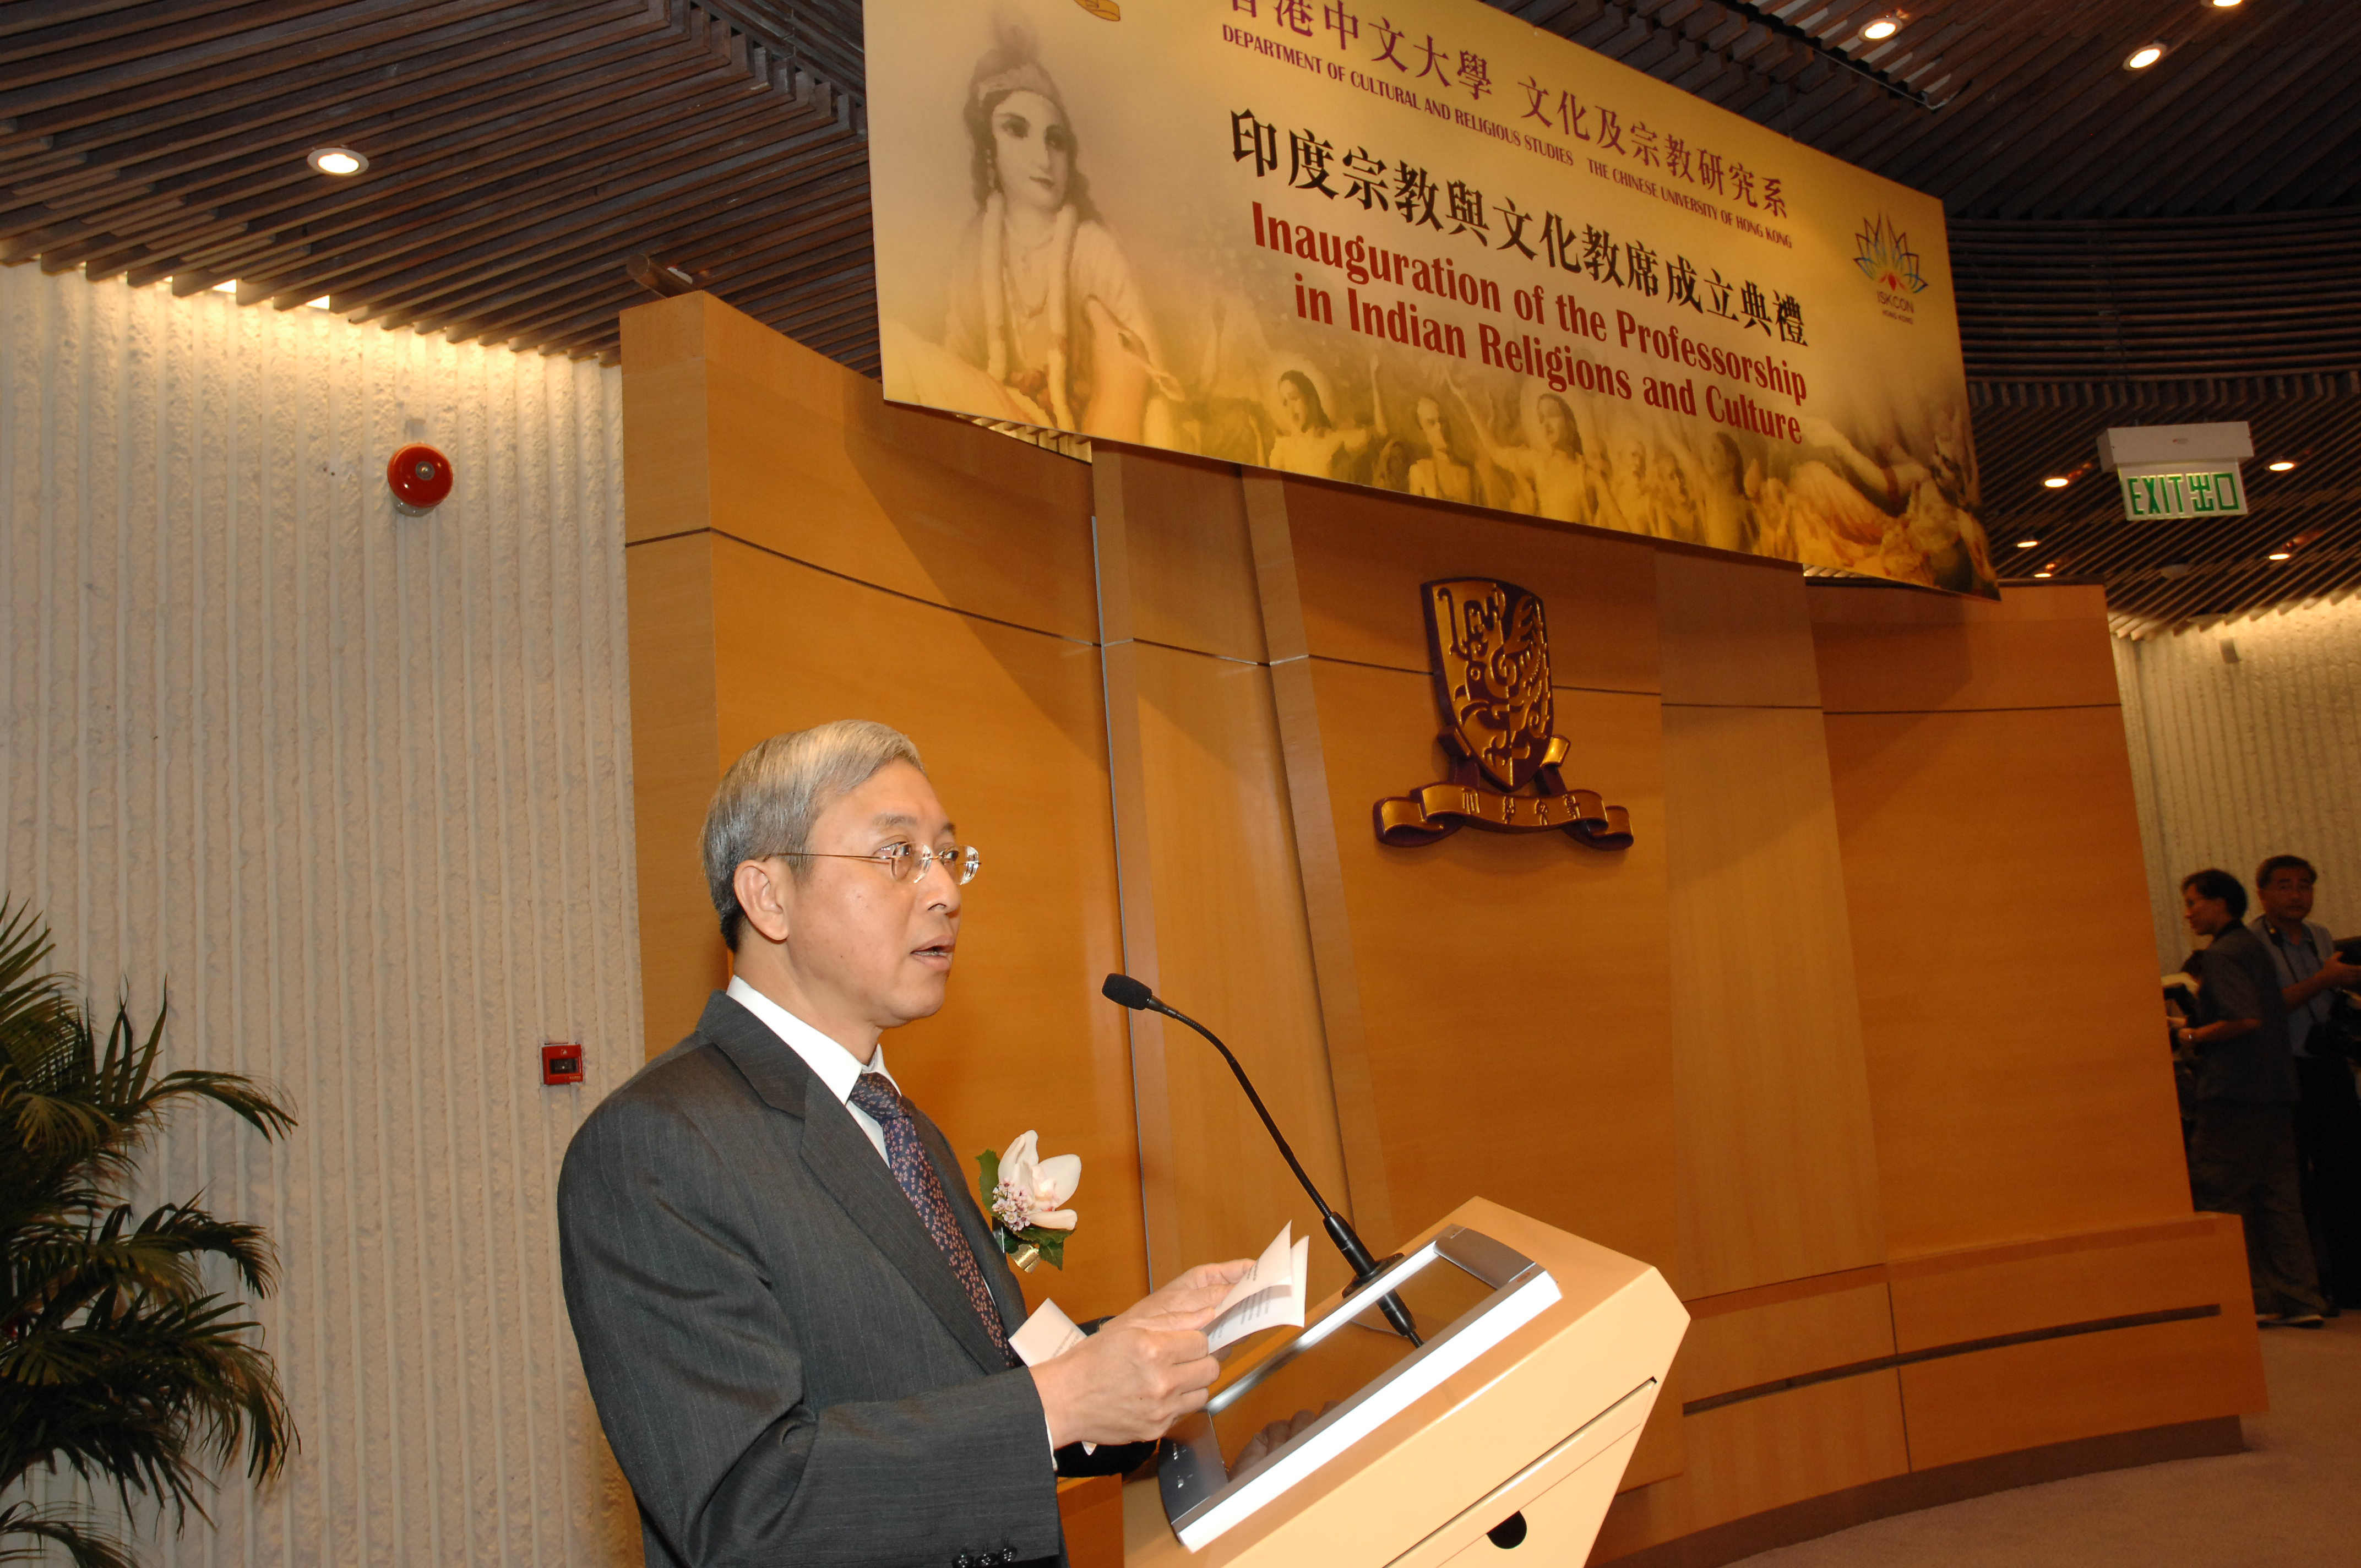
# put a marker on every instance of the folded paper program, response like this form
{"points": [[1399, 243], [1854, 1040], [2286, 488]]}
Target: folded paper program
{"points": [[1270, 1295]]}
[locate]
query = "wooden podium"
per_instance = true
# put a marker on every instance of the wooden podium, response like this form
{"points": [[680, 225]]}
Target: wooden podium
{"points": [[1524, 1402]]}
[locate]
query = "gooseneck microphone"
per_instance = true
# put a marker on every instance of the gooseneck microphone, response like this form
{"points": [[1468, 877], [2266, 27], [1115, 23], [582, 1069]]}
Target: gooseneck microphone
{"points": [[1126, 992]]}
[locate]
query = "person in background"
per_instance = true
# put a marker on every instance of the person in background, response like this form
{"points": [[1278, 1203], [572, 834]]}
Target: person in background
{"points": [[2243, 1157], [2327, 1112]]}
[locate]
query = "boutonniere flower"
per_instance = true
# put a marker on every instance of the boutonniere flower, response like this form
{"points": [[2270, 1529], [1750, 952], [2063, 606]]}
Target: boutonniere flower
{"points": [[1025, 1194]]}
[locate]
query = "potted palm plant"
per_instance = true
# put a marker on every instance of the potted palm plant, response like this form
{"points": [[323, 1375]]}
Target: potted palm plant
{"points": [[117, 1361]]}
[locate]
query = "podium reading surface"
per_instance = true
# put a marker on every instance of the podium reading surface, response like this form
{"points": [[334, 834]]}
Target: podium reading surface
{"points": [[1542, 1358]]}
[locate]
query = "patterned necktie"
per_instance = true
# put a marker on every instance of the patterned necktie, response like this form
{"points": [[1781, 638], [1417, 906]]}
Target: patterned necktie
{"points": [[874, 1094]]}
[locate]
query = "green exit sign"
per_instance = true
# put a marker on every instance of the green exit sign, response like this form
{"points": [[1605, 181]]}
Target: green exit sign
{"points": [[2213, 490]]}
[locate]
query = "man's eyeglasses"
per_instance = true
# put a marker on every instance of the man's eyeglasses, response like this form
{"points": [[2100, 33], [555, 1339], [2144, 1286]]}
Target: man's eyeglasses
{"points": [[908, 862]]}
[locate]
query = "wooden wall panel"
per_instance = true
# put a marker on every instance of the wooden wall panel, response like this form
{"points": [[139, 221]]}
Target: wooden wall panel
{"points": [[1513, 987], [2058, 1389], [1778, 1163], [675, 762], [802, 457], [1775, 1448], [1779, 1175], [1213, 898], [1999, 903], [1887, 649], [2007, 984], [1356, 550], [1734, 632]]}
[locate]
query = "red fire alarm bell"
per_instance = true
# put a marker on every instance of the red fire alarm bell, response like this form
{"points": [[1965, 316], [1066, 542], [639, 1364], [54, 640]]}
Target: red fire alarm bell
{"points": [[420, 477], [561, 1062]]}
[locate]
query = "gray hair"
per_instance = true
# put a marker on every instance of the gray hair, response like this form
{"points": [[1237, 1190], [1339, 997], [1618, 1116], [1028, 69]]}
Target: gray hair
{"points": [[767, 801]]}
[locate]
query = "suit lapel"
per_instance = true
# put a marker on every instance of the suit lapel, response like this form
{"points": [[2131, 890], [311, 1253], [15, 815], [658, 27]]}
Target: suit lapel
{"points": [[842, 1160]]}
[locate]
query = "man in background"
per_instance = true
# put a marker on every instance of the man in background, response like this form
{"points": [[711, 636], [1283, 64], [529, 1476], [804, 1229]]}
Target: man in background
{"points": [[2241, 1157], [2328, 1112]]}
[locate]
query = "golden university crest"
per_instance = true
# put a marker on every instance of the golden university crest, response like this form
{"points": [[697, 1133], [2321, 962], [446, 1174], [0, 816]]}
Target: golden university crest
{"points": [[1489, 646]]}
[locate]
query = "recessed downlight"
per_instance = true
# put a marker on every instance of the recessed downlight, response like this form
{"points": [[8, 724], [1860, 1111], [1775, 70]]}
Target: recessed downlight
{"points": [[2056, 482], [2281, 555], [2222, 5], [2043, 572], [2281, 466], [2028, 543], [336, 160], [2143, 57], [1883, 29]]}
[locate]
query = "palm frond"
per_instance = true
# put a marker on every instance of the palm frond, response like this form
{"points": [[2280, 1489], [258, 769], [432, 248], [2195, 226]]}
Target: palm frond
{"points": [[36, 1007], [87, 1545], [115, 1361]]}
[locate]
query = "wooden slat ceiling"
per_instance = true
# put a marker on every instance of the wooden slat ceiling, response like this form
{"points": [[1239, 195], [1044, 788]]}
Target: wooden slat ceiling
{"points": [[520, 152], [2162, 574], [2163, 236]]}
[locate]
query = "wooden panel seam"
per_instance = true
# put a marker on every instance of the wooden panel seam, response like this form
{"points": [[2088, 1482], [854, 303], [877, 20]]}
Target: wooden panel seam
{"points": [[1336, 973], [1135, 882], [1945, 1351]]}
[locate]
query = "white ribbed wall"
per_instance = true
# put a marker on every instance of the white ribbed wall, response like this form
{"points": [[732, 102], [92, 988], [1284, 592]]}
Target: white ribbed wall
{"points": [[358, 788], [2235, 762]]}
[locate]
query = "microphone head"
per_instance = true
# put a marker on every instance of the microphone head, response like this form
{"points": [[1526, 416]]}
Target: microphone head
{"points": [[1126, 992]]}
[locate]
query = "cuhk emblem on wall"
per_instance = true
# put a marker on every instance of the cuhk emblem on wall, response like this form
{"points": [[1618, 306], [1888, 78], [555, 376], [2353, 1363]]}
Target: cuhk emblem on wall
{"points": [[1489, 643]]}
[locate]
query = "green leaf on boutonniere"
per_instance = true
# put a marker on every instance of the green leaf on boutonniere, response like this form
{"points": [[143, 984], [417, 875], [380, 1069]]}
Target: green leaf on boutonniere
{"points": [[988, 1164]]}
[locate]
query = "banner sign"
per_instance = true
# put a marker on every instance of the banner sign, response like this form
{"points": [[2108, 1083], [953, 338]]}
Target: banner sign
{"points": [[1424, 246]]}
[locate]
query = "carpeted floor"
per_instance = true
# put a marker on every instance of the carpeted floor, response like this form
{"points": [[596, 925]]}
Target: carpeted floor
{"points": [[2294, 1500]]}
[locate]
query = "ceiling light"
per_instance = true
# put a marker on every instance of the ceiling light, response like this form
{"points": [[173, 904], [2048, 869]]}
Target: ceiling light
{"points": [[336, 160], [2281, 466], [319, 304], [2056, 482], [2043, 572], [2222, 5], [2281, 555], [1882, 30], [226, 286], [2026, 543], [2143, 57]]}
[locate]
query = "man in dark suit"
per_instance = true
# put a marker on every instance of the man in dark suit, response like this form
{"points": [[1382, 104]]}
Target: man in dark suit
{"points": [[2241, 1152], [792, 1315]]}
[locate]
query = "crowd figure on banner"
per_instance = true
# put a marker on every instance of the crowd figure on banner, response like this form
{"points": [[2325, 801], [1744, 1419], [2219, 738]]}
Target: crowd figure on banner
{"points": [[2266, 1028], [1047, 325]]}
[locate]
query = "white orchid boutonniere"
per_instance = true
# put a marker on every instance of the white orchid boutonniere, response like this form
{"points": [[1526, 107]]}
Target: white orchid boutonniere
{"points": [[1026, 1195]]}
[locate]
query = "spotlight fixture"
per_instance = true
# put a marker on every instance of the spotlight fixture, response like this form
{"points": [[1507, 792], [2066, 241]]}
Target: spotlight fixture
{"points": [[1883, 29], [2281, 466], [2028, 543], [336, 160], [2143, 57], [2056, 482], [2281, 555]]}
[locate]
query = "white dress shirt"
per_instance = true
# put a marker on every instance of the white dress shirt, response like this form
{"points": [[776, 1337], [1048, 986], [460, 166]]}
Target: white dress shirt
{"points": [[837, 1067], [830, 1063]]}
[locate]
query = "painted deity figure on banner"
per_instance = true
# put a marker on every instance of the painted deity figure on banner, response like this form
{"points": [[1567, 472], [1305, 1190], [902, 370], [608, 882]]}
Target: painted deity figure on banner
{"points": [[1308, 441], [1046, 322]]}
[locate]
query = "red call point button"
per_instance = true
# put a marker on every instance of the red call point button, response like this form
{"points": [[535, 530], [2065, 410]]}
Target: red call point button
{"points": [[561, 1063]]}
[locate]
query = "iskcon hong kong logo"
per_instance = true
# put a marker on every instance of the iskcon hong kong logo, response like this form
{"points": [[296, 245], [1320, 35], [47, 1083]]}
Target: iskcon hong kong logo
{"points": [[1886, 260]]}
